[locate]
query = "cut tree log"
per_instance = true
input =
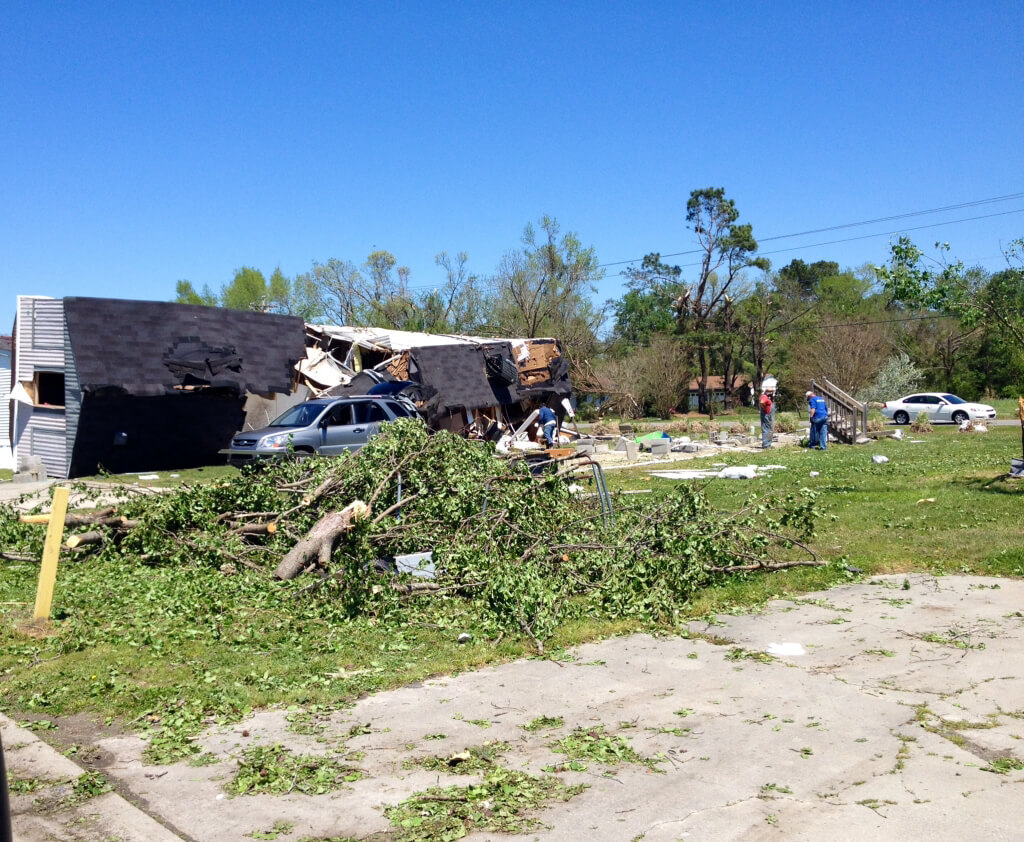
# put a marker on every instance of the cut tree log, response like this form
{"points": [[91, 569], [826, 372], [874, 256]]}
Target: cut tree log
{"points": [[254, 528], [84, 539], [101, 516], [318, 544]]}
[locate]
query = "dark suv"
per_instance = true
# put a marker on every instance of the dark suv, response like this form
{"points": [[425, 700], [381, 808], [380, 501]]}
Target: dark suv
{"points": [[327, 426]]}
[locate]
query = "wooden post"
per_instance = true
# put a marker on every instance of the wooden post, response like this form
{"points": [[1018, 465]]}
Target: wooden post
{"points": [[51, 552]]}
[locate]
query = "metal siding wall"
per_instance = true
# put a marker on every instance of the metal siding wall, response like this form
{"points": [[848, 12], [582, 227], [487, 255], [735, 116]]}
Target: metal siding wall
{"points": [[40, 335], [39, 346], [45, 438], [5, 390]]}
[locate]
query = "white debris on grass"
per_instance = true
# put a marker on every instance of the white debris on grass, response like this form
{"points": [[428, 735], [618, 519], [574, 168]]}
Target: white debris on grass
{"points": [[728, 472], [878, 459], [814, 473], [786, 650]]}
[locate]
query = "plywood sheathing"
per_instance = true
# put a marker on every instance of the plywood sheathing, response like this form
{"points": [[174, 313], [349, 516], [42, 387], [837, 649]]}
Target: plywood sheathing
{"points": [[398, 365], [533, 370]]}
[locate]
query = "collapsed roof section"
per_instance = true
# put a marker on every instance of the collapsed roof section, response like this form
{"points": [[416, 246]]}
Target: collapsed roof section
{"points": [[456, 380], [151, 348]]}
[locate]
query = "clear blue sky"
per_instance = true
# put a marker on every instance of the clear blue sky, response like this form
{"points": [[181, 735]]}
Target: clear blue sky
{"points": [[141, 143]]}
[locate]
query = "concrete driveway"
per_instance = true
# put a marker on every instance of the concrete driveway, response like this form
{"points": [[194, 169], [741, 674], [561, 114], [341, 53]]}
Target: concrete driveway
{"points": [[894, 710]]}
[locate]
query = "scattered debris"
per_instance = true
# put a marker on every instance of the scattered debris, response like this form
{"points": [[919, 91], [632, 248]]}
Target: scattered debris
{"points": [[878, 459], [790, 650]]}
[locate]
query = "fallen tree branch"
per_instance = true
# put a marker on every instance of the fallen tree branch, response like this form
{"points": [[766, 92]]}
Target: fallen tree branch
{"points": [[765, 565], [318, 544]]}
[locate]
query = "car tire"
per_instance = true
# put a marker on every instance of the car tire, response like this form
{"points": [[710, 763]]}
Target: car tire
{"points": [[959, 417], [901, 417]]}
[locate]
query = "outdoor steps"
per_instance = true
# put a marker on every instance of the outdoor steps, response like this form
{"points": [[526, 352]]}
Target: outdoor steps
{"points": [[847, 418]]}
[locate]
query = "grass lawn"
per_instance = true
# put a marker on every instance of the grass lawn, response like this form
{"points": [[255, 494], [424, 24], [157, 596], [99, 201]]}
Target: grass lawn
{"points": [[177, 646]]}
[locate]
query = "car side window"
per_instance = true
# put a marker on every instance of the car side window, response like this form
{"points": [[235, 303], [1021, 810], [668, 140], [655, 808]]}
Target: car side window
{"points": [[930, 399], [397, 409], [369, 412], [913, 399], [341, 415]]}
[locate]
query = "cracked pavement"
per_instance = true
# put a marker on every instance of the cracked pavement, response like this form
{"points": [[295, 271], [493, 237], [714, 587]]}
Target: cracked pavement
{"points": [[895, 723]]}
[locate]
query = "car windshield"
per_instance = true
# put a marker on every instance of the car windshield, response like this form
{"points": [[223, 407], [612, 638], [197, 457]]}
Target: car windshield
{"points": [[301, 415], [953, 399]]}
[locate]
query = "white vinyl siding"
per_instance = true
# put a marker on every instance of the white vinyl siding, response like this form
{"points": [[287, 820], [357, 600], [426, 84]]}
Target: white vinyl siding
{"points": [[39, 346], [40, 342]]}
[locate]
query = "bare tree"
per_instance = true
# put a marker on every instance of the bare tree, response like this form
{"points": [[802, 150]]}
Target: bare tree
{"points": [[545, 290]]}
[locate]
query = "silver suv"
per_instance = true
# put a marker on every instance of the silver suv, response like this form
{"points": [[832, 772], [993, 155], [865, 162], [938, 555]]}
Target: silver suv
{"points": [[327, 426]]}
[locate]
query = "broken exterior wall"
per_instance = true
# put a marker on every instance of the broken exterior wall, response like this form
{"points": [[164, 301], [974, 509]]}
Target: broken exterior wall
{"points": [[123, 433]]}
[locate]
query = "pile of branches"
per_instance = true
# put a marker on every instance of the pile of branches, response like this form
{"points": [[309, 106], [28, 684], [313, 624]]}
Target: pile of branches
{"points": [[519, 551]]}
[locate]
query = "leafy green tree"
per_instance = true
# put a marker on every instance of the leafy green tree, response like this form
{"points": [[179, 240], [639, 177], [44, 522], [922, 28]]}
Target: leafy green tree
{"points": [[949, 288], [801, 280], [648, 307], [250, 290], [727, 248], [186, 294]]}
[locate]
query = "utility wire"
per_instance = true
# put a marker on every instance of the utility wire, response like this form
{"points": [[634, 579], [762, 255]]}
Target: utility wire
{"points": [[959, 206], [879, 234], [487, 282]]}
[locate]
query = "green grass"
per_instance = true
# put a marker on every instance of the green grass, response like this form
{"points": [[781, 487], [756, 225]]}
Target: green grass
{"points": [[169, 479], [176, 647], [877, 517]]}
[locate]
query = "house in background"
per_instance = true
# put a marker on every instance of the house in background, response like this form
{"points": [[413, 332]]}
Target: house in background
{"points": [[6, 454], [742, 391], [122, 386]]}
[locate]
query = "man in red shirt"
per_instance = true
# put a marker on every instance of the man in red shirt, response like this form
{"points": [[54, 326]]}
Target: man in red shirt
{"points": [[767, 406]]}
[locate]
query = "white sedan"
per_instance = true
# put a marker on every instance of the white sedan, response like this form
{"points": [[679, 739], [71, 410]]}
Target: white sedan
{"points": [[941, 408]]}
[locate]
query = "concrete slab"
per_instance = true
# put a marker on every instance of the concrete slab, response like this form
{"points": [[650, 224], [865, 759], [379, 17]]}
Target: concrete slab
{"points": [[886, 727]]}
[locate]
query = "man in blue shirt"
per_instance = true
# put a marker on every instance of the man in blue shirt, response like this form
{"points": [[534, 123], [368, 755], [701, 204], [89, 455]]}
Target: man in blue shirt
{"points": [[819, 420], [548, 420]]}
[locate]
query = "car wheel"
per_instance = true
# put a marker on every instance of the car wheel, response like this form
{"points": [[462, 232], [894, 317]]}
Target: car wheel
{"points": [[959, 417], [901, 417]]}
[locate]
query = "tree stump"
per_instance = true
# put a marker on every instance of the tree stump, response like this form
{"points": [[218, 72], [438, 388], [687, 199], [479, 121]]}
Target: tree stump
{"points": [[320, 541]]}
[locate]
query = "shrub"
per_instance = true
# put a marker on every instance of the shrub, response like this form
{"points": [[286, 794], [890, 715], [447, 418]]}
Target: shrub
{"points": [[786, 422], [897, 377], [921, 424]]}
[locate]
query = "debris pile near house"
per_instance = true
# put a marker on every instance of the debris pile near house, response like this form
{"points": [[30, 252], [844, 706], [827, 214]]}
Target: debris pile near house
{"points": [[511, 551], [484, 388]]}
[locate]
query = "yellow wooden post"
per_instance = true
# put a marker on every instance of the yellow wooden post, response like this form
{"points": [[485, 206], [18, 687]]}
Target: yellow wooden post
{"points": [[51, 552]]}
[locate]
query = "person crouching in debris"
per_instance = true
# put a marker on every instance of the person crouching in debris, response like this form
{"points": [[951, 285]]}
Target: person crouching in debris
{"points": [[767, 406], [548, 421], [819, 420]]}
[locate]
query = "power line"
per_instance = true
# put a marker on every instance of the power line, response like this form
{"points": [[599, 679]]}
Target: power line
{"points": [[884, 233], [795, 327], [489, 282], [908, 215]]}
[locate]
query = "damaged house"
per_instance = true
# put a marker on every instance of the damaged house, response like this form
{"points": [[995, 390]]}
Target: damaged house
{"points": [[464, 384], [117, 385], [100, 384]]}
